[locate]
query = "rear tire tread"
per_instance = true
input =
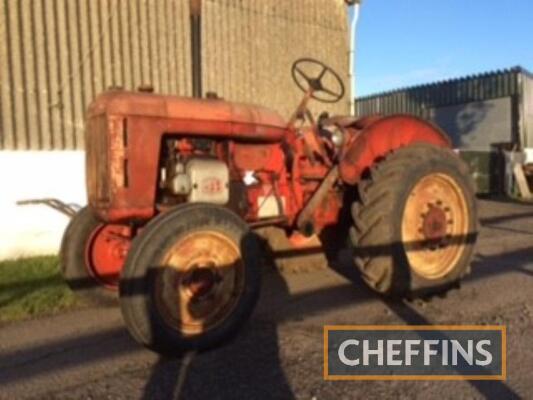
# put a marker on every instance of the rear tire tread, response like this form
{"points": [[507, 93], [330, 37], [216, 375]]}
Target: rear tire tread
{"points": [[375, 208]]}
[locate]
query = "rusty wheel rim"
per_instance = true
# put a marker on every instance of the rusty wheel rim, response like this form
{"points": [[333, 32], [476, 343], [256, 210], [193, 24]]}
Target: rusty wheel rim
{"points": [[435, 225], [201, 281]]}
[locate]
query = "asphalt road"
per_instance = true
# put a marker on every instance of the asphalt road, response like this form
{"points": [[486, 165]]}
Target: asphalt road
{"points": [[87, 354]]}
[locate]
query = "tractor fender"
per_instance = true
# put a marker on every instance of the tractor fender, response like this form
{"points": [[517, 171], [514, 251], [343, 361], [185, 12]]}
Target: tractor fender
{"points": [[378, 136]]}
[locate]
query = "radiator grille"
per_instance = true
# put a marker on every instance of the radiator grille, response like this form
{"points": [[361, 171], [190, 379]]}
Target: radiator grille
{"points": [[97, 161]]}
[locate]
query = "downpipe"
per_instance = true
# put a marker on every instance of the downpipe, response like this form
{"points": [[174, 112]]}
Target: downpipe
{"points": [[353, 29]]}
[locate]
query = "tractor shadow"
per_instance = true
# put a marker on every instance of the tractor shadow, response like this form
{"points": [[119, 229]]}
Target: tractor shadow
{"points": [[251, 365], [247, 367]]}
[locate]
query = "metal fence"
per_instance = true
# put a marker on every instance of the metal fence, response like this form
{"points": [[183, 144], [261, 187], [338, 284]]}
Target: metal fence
{"points": [[57, 55]]}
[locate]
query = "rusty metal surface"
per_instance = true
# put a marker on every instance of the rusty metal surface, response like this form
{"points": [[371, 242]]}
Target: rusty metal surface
{"points": [[187, 109], [97, 162], [307, 214], [70, 210], [105, 253], [124, 148], [379, 136]]}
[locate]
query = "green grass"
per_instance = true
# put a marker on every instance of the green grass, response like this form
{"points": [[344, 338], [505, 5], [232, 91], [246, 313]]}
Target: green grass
{"points": [[31, 287]]}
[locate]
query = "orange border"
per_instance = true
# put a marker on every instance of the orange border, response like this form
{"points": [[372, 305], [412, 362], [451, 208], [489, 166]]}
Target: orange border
{"points": [[502, 377]]}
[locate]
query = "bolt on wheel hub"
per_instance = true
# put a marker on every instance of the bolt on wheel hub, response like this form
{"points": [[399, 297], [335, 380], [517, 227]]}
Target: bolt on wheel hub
{"points": [[434, 225]]}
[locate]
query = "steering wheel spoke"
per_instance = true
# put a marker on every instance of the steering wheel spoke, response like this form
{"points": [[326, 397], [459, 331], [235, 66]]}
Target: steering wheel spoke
{"points": [[324, 70], [302, 73], [326, 90]]}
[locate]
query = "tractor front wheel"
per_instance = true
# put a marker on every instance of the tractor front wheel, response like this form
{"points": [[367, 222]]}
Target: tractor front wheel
{"points": [[191, 279], [415, 222], [92, 256]]}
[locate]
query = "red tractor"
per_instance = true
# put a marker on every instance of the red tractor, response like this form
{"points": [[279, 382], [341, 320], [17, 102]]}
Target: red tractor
{"points": [[177, 187]]}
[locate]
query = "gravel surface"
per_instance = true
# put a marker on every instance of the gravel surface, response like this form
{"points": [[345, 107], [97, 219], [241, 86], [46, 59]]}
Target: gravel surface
{"points": [[87, 354]]}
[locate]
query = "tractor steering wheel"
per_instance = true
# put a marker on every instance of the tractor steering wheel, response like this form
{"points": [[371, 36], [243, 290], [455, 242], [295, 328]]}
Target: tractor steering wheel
{"points": [[302, 72]]}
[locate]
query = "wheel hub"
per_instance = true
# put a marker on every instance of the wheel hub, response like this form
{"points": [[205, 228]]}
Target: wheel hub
{"points": [[106, 251], [200, 281], [434, 224]]}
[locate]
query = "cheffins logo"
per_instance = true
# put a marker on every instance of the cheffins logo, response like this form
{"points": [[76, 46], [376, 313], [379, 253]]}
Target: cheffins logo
{"points": [[438, 352]]}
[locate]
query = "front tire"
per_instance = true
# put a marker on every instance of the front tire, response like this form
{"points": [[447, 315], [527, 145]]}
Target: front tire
{"points": [[91, 257], [415, 222], [191, 279]]}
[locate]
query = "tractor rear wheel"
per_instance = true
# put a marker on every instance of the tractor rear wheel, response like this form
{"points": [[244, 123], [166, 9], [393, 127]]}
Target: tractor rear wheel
{"points": [[415, 222], [191, 279], [92, 255]]}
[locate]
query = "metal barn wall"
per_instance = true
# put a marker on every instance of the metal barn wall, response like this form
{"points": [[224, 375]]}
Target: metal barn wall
{"points": [[56, 55], [477, 125], [419, 100], [249, 47], [482, 114], [479, 96]]}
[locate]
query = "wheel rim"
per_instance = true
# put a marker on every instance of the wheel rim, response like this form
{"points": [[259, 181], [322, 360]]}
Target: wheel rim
{"points": [[200, 282], [106, 252], [435, 226]]}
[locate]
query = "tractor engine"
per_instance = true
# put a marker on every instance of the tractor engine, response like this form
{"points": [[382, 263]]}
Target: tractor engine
{"points": [[263, 171], [249, 179], [147, 153], [192, 174]]}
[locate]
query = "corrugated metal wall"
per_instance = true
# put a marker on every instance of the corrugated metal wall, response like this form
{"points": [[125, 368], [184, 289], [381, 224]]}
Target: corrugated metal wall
{"points": [[249, 47], [419, 100], [477, 125], [513, 84], [482, 114], [56, 55]]}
